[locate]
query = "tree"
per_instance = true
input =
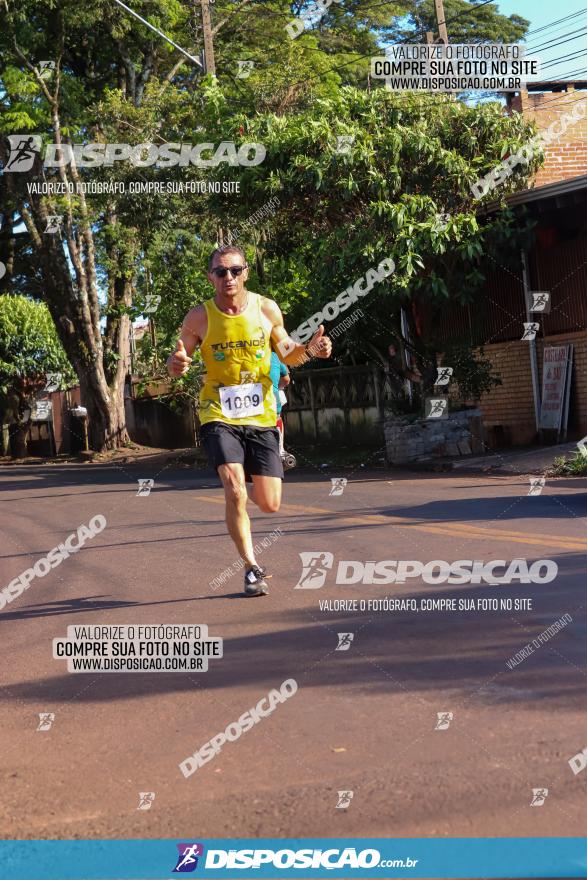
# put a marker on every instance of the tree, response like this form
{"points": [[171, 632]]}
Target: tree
{"points": [[410, 161], [114, 82], [111, 83], [400, 190], [467, 22], [29, 350]]}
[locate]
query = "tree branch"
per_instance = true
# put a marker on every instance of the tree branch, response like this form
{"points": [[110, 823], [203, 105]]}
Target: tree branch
{"points": [[236, 9], [131, 74], [174, 70], [145, 74]]}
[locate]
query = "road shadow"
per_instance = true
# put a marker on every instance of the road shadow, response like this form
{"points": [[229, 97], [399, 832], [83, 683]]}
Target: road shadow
{"points": [[43, 477], [85, 604], [464, 652], [495, 508]]}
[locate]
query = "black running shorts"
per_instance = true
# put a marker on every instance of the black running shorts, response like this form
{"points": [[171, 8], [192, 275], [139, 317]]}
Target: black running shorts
{"points": [[257, 449]]}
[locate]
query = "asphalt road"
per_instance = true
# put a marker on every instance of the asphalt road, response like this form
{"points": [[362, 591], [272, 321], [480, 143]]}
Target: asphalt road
{"points": [[362, 720]]}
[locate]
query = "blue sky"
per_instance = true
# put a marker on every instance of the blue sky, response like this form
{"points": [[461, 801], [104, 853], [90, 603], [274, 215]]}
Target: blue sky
{"points": [[540, 13]]}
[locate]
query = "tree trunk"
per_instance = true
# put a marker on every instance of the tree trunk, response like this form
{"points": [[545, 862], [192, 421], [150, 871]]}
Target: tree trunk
{"points": [[106, 419], [103, 399], [72, 299], [18, 439], [70, 285]]}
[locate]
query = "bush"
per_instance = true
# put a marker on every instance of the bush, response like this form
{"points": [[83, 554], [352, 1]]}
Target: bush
{"points": [[472, 371]]}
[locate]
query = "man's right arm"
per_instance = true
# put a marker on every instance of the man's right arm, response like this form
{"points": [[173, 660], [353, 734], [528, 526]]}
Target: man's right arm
{"points": [[189, 339]]}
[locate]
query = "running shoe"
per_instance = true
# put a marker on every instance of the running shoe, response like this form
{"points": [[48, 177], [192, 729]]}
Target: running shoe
{"points": [[255, 583]]}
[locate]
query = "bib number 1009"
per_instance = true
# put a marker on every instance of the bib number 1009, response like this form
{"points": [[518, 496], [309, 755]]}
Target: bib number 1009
{"points": [[240, 401]]}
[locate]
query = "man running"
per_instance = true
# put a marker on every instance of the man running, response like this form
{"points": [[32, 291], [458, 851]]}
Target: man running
{"points": [[234, 331]]}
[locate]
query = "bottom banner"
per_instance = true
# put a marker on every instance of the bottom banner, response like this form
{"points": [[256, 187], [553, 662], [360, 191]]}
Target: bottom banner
{"points": [[301, 858]]}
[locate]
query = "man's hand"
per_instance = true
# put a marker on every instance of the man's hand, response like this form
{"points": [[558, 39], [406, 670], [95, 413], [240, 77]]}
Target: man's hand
{"points": [[178, 363], [319, 345]]}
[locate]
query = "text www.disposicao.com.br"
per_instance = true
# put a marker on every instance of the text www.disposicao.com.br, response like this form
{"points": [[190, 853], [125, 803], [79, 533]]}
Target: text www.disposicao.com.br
{"points": [[143, 664]]}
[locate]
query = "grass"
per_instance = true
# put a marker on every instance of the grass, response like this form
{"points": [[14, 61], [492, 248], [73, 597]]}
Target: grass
{"points": [[571, 467]]}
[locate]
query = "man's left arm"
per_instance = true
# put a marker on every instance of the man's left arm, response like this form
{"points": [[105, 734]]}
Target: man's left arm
{"points": [[292, 353]]}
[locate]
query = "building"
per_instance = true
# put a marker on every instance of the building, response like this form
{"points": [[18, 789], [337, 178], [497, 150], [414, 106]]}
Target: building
{"points": [[546, 103], [556, 262]]}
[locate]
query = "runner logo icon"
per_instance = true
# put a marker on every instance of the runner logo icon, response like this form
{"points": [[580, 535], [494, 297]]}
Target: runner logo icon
{"points": [[23, 150], [344, 641], [338, 485], [344, 800], [540, 301], [444, 719], [314, 568], [146, 799], [46, 719], [436, 408], [187, 860], [539, 795], [443, 375]]}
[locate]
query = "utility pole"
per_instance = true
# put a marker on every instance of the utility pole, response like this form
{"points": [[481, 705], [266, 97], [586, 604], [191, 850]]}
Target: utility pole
{"points": [[209, 66], [151, 320], [533, 356], [440, 21], [209, 63]]}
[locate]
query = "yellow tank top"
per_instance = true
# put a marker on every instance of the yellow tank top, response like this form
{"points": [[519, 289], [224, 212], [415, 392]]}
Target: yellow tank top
{"points": [[237, 355]]}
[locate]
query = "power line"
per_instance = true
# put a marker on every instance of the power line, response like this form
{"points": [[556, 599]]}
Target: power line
{"points": [[555, 101], [548, 45], [420, 33], [290, 15], [571, 74], [558, 21], [160, 33], [560, 99], [551, 44], [361, 56], [557, 32], [435, 99], [579, 54]]}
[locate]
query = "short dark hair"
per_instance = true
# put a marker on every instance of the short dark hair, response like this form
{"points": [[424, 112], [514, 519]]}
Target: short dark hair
{"points": [[226, 249]]}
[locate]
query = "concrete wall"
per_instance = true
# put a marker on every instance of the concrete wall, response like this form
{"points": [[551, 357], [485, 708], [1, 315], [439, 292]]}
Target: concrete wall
{"points": [[422, 439], [360, 425], [343, 405]]}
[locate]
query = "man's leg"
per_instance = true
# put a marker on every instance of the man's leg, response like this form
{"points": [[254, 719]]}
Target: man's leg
{"points": [[263, 463], [266, 493], [237, 518], [225, 447]]}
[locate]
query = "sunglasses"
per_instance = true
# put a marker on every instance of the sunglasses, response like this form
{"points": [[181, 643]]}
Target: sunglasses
{"points": [[221, 271]]}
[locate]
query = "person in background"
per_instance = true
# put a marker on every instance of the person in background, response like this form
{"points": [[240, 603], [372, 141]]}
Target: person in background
{"points": [[281, 379]]}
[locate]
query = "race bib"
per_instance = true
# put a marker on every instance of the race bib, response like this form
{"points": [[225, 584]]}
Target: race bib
{"points": [[242, 401]]}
